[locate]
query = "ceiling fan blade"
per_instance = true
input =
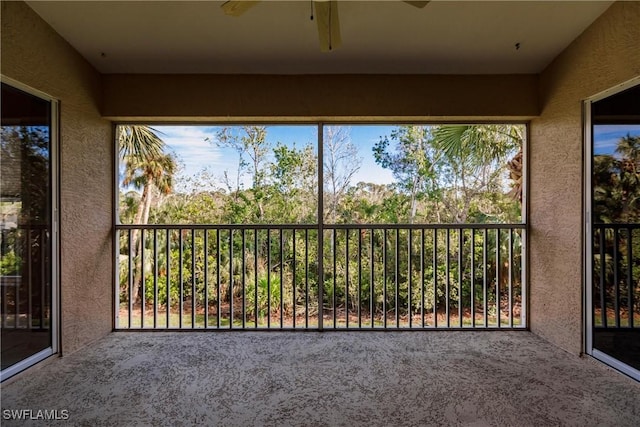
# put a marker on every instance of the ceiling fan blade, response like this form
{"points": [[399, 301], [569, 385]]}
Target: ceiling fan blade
{"points": [[237, 7], [328, 25], [418, 4]]}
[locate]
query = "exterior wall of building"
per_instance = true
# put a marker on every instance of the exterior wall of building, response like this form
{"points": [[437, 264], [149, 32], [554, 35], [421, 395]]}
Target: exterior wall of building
{"points": [[605, 55], [35, 55]]}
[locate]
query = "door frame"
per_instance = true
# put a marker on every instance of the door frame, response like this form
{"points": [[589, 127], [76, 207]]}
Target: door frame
{"points": [[588, 232], [55, 238]]}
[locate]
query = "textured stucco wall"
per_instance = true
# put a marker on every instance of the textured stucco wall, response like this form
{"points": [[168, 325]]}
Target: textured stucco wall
{"points": [[605, 55], [33, 54]]}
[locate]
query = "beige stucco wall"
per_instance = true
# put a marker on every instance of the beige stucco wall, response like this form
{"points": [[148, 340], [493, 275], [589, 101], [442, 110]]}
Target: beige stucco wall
{"points": [[605, 55], [33, 54]]}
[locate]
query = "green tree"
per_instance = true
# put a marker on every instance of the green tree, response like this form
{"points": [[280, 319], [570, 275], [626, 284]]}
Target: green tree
{"points": [[294, 183], [248, 141], [616, 183], [138, 141], [412, 159], [450, 170], [146, 167]]}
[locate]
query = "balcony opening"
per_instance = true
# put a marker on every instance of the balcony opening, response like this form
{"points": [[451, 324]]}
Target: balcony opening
{"points": [[321, 226]]}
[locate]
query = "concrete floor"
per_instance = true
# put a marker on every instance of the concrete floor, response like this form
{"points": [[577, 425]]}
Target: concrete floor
{"points": [[326, 379]]}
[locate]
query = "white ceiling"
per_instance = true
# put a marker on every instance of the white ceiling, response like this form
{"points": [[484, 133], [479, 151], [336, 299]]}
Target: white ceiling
{"points": [[275, 37]]}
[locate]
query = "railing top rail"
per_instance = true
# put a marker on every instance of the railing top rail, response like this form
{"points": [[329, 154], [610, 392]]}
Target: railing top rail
{"points": [[315, 226], [427, 226]]}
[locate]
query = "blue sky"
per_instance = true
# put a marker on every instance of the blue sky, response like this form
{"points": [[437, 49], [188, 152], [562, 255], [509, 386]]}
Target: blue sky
{"points": [[606, 137], [196, 150]]}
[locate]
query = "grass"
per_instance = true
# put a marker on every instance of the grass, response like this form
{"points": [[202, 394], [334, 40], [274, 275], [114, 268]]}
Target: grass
{"points": [[611, 318], [312, 322]]}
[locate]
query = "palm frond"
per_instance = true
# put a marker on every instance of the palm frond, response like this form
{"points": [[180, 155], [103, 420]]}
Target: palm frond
{"points": [[140, 141], [451, 139]]}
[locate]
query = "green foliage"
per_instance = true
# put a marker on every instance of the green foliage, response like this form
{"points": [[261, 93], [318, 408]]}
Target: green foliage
{"points": [[449, 172], [439, 177], [616, 199], [10, 264], [269, 296], [616, 183]]}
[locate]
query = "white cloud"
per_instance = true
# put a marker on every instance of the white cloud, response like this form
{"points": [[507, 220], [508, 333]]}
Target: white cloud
{"points": [[194, 146]]}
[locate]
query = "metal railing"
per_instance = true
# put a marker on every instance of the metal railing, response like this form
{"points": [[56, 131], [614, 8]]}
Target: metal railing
{"points": [[616, 275], [366, 277], [25, 277]]}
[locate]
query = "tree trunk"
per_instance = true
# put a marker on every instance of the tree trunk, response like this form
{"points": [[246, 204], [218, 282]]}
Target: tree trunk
{"points": [[142, 217]]}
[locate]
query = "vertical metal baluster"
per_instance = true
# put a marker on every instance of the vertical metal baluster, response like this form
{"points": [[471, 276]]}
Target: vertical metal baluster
{"points": [[485, 275], [43, 275], [206, 278], [603, 271], [16, 284], [448, 283], [473, 278], [168, 281], [180, 275], [359, 299], [372, 278], [218, 277], [29, 297], [334, 250], [193, 278], [268, 278], [255, 276], [155, 278], [142, 287], [346, 280], [306, 278], [422, 278], [397, 277], [616, 278], [498, 313], [5, 304], [244, 278], [510, 277], [630, 277], [409, 308], [523, 247], [321, 225], [231, 316], [16, 318], [384, 278], [281, 280], [460, 277], [4, 289], [130, 272], [5, 307], [435, 277], [294, 283]]}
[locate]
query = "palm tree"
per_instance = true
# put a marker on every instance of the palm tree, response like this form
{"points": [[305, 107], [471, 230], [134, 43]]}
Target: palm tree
{"points": [[139, 141], [153, 176], [146, 167], [483, 144]]}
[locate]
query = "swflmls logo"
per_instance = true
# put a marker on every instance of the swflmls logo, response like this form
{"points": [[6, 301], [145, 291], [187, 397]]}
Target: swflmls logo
{"points": [[39, 414]]}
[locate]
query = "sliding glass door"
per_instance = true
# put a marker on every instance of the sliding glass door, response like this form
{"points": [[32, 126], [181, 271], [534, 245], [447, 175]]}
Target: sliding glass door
{"points": [[613, 285], [27, 235]]}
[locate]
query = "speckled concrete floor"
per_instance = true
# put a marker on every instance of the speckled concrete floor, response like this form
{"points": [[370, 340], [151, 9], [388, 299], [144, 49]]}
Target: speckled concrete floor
{"points": [[327, 379]]}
